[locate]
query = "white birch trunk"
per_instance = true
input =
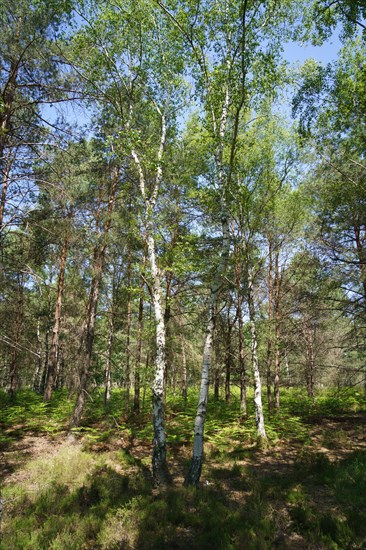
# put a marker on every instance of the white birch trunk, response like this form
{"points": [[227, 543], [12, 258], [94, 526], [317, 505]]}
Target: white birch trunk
{"points": [[261, 432], [194, 472], [195, 469], [159, 463]]}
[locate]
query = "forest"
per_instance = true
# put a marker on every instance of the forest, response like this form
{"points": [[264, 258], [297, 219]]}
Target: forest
{"points": [[182, 274]]}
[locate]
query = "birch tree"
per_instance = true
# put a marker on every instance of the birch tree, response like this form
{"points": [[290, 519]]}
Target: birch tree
{"points": [[132, 66], [229, 65]]}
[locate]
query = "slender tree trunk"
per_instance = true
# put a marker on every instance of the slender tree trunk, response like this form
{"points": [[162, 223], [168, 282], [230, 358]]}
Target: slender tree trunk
{"points": [[159, 463], [128, 337], [140, 326], [195, 469], [46, 354], [108, 368], [288, 375], [13, 383], [241, 350], [242, 369], [261, 432], [184, 367], [59, 382], [37, 373], [217, 366], [88, 336], [194, 473], [270, 321], [228, 361], [277, 315], [53, 357], [4, 190], [88, 340], [167, 319], [7, 98], [310, 359], [6, 111]]}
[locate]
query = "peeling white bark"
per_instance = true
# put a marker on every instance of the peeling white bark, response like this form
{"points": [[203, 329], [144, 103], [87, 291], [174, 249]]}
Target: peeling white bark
{"points": [[159, 464]]}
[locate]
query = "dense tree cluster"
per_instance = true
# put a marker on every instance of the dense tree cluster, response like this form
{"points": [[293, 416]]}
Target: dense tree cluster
{"points": [[163, 224]]}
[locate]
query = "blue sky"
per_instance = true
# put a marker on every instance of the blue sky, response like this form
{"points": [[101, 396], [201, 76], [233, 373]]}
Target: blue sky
{"points": [[296, 53]]}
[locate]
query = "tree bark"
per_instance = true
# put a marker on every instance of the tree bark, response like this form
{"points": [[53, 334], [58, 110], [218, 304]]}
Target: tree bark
{"points": [[7, 97], [195, 468], [108, 367], [241, 350], [277, 315], [140, 326], [270, 322], [37, 373], [261, 432], [159, 464], [128, 337], [13, 383], [167, 319], [4, 190], [309, 356], [184, 386], [217, 366], [242, 369], [88, 336], [194, 472], [53, 356], [228, 359]]}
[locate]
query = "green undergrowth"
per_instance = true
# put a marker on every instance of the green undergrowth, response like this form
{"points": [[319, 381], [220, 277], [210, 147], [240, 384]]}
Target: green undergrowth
{"points": [[96, 493], [81, 500], [28, 413]]}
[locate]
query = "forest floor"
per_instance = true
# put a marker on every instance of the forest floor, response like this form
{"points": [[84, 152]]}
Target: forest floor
{"points": [[306, 490]]}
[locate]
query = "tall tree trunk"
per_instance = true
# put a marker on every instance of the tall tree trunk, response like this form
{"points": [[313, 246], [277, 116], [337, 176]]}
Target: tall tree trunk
{"points": [[159, 463], [108, 367], [167, 319], [241, 350], [4, 190], [228, 359], [140, 326], [184, 386], [194, 472], [309, 356], [217, 365], [53, 357], [195, 468], [219, 127], [242, 369], [261, 432], [88, 336], [128, 336], [37, 373], [270, 321], [13, 383], [7, 97], [7, 100], [277, 315], [59, 382], [46, 355]]}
